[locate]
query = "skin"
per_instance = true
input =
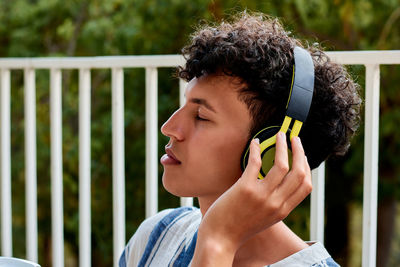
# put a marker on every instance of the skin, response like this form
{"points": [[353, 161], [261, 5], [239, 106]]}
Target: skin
{"points": [[242, 216]]}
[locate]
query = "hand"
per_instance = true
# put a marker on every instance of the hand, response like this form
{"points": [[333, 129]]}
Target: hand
{"points": [[252, 205]]}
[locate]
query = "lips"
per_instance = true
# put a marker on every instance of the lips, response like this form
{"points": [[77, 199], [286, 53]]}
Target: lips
{"points": [[169, 158]]}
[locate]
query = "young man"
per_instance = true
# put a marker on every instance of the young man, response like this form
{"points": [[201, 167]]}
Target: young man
{"points": [[240, 77]]}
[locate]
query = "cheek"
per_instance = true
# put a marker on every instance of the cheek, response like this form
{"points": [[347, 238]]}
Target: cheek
{"points": [[221, 156], [229, 152]]}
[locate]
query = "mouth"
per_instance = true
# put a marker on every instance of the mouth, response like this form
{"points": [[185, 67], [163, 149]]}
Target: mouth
{"points": [[169, 158]]}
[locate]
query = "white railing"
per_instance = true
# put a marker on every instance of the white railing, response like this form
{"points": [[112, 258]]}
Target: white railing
{"points": [[371, 59]]}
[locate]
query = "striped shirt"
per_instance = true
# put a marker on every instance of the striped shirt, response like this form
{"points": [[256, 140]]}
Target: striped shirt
{"points": [[169, 239]]}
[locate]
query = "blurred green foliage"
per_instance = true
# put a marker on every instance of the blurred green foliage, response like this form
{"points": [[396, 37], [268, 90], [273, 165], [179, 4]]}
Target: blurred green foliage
{"points": [[32, 28]]}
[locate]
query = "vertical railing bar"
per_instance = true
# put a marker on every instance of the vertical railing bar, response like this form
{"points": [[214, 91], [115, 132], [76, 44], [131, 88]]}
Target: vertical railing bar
{"points": [[185, 201], [5, 163], [30, 166], [371, 149], [182, 87], [318, 204], [118, 158], [56, 168], [84, 169], [151, 142]]}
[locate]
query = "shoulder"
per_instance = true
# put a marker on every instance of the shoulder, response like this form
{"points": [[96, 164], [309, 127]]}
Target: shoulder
{"points": [[163, 219], [152, 228], [315, 255], [182, 215]]}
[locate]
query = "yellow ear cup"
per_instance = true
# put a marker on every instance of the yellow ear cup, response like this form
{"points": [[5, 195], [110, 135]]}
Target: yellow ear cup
{"points": [[268, 160], [268, 157], [267, 137]]}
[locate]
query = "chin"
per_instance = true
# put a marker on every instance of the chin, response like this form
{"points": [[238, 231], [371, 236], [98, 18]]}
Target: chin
{"points": [[175, 187], [178, 192]]}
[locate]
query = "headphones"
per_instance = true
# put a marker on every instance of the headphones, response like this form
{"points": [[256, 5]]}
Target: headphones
{"points": [[297, 107]]}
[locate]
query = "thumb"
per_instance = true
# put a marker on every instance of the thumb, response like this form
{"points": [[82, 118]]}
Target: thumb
{"points": [[254, 162]]}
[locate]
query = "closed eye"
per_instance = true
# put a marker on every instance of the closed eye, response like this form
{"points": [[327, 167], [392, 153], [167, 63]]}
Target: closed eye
{"points": [[198, 118]]}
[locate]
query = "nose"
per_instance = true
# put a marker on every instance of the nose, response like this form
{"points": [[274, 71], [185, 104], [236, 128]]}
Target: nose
{"points": [[173, 127]]}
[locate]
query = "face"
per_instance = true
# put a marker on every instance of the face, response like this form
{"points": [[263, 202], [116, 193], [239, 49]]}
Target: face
{"points": [[206, 138]]}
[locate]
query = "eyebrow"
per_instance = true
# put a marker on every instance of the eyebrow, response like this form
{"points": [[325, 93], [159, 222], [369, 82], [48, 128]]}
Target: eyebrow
{"points": [[202, 102]]}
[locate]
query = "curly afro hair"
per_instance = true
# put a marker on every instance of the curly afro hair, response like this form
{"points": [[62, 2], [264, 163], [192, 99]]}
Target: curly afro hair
{"points": [[256, 49]]}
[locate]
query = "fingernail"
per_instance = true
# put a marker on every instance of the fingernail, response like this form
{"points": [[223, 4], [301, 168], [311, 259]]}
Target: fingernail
{"points": [[298, 140], [282, 135], [257, 140]]}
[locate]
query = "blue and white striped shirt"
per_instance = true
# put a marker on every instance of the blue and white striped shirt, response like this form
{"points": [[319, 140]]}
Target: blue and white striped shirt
{"points": [[169, 239]]}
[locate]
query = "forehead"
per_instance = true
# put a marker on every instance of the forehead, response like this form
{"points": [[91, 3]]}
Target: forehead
{"points": [[219, 90]]}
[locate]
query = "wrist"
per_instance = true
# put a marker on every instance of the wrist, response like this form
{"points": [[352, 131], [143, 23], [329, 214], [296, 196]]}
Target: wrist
{"points": [[213, 249], [219, 242]]}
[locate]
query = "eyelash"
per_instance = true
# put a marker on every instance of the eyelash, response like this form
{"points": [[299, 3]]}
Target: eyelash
{"points": [[198, 118]]}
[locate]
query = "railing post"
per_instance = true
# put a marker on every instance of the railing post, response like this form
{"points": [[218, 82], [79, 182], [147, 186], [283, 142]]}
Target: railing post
{"points": [[152, 160], [371, 150], [30, 169], [182, 88], [118, 155], [318, 204], [5, 164], [84, 169], [185, 201], [57, 216]]}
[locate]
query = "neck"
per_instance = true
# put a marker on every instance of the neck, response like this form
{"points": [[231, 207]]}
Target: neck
{"points": [[205, 203], [269, 246], [266, 247]]}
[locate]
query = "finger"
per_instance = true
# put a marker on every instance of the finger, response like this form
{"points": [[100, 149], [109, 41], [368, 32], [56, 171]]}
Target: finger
{"points": [[281, 163], [299, 172], [298, 153], [308, 168], [298, 195], [254, 162]]}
